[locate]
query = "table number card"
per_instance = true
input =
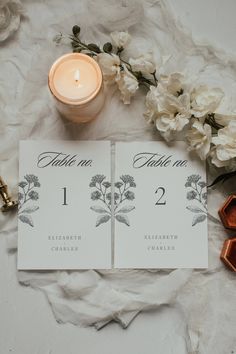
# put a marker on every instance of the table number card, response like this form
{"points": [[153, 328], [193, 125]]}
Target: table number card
{"points": [[57, 227], [160, 207], [71, 206]]}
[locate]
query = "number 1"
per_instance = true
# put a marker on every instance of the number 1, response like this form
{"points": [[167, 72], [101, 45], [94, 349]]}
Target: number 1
{"points": [[65, 202]]}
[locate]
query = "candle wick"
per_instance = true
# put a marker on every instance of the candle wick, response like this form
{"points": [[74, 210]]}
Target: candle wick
{"points": [[77, 76]]}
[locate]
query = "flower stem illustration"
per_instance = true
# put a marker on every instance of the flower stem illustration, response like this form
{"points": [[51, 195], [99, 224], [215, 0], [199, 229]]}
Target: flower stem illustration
{"points": [[122, 194], [197, 191], [102, 192], [28, 193]]}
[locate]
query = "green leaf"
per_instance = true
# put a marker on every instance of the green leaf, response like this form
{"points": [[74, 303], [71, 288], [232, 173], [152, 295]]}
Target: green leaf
{"points": [[107, 47], [222, 178], [76, 30], [90, 54], [94, 48]]}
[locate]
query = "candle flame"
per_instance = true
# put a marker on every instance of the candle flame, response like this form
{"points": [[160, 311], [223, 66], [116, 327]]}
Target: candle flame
{"points": [[77, 75]]}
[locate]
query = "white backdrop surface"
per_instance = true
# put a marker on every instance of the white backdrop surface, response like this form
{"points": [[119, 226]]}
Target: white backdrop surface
{"points": [[187, 313]]}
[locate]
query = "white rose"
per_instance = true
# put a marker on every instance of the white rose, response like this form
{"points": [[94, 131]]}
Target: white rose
{"points": [[120, 39], [225, 145], [169, 113], [205, 100], [110, 65], [199, 139], [10, 13], [144, 63], [127, 84]]}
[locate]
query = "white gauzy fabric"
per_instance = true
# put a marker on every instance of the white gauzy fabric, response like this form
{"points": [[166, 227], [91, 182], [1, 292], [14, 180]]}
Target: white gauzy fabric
{"points": [[206, 298]]}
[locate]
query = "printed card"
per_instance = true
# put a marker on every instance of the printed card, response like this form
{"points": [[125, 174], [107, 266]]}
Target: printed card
{"points": [[159, 207], [58, 222], [150, 212]]}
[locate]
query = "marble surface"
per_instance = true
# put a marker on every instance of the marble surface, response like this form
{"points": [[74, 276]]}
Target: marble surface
{"points": [[27, 322]]}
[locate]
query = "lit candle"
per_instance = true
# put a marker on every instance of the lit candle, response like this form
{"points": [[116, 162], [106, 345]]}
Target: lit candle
{"points": [[75, 81]]}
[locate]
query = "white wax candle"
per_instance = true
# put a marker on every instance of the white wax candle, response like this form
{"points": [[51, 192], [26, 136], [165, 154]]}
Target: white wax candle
{"points": [[75, 80]]}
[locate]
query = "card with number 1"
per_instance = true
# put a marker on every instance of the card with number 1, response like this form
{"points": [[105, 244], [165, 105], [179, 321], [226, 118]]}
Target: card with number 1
{"points": [[61, 183]]}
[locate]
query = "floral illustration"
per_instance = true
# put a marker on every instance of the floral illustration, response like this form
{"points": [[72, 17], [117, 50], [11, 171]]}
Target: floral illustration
{"points": [[122, 193], [27, 194], [197, 191]]}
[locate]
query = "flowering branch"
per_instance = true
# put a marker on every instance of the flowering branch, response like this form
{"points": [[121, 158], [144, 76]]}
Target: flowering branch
{"points": [[128, 74], [172, 105]]}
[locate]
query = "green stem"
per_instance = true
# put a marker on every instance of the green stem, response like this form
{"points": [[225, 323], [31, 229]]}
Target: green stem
{"points": [[82, 45], [210, 119], [155, 78], [140, 78]]}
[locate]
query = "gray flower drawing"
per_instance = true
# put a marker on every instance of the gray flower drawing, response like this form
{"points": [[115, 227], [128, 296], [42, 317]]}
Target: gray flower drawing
{"points": [[102, 192], [197, 192], [124, 194], [27, 193]]}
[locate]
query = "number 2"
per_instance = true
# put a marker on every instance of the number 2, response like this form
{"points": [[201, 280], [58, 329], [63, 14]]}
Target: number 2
{"points": [[160, 194], [65, 200]]}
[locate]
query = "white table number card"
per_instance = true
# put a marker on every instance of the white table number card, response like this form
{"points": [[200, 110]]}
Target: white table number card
{"points": [[153, 205], [160, 207], [59, 183]]}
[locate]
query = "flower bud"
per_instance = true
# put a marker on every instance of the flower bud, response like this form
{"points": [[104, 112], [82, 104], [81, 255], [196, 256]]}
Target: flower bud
{"points": [[76, 30]]}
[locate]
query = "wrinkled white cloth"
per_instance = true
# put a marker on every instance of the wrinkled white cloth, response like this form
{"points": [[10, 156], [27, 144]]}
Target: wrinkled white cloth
{"points": [[206, 298]]}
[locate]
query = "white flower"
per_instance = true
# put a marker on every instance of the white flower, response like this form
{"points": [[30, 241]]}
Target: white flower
{"points": [[111, 68], [144, 63], [173, 84], [223, 119], [127, 84], [205, 100], [199, 139], [167, 85], [152, 104], [169, 113], [225, 145], [110, 65], [10, 12], [120, 39], [173, 115]]}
